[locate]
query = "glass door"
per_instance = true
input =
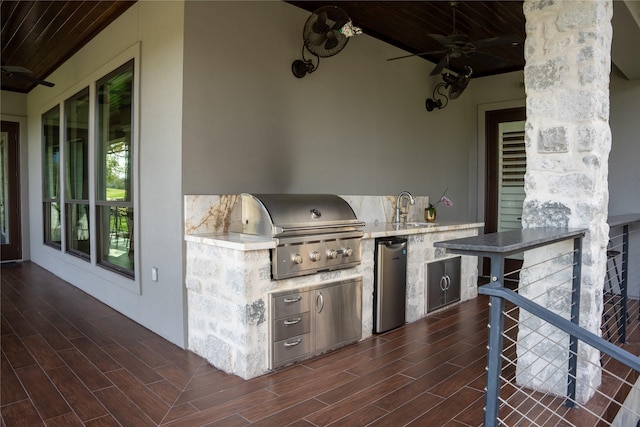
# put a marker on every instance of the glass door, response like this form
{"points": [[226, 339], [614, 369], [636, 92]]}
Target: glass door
{"points": [[10, 237]]}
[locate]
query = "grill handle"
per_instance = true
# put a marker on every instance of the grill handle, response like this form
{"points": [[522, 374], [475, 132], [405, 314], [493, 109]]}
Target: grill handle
{"points": [[307, 229]]}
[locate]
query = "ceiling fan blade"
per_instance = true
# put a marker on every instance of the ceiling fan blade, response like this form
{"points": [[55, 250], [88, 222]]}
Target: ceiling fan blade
{"points": [[440, 65], [436, 52], [494, 58], [29, 78], [498, 41], [443, 40], [16, 69]]}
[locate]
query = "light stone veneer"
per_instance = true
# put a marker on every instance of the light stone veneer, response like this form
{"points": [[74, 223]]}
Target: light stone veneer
{"points": [[228, 279], [568, 61]]}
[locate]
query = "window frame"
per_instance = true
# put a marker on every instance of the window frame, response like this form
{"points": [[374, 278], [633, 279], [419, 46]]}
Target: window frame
{"points": [[129, 282], [102, 203], [47, 200], [69, 200]]}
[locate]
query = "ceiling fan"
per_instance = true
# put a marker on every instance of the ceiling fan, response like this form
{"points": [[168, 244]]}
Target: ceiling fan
{"points": [[22, 73], [457, 45]]}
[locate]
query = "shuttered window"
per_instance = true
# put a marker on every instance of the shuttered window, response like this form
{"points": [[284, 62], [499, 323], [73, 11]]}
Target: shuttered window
{"points": [[512, 167]]}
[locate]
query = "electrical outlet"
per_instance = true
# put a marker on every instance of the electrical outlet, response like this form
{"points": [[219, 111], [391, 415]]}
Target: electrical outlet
{"points": [[154, 274]]}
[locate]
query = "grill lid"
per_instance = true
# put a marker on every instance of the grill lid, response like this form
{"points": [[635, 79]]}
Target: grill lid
{"points": [[292, 214]]}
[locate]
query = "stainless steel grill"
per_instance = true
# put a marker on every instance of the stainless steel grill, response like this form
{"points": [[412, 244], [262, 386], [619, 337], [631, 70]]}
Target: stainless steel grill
{"points": [[314, 232]]}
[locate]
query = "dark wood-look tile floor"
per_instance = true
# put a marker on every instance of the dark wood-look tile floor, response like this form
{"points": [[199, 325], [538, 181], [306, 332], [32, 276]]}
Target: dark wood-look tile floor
{"points": [[70, 360]]}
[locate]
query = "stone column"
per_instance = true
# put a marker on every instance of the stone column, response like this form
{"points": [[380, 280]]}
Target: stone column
{"points": [[568, 139]]}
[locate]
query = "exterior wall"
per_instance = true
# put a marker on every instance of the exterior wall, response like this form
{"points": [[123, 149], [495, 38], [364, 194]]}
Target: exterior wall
{"points": [[357, 125], [14, 104], [152, 32], [624, 174]]}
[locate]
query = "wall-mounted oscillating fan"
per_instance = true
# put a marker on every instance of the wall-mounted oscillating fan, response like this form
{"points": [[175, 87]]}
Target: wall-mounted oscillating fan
{"points": [[325, 33], [22, 73], [455, 84]]}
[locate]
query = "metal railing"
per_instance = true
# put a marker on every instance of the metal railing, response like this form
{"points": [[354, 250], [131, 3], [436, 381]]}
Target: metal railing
{"points": [[617, 314], [541, 368]]}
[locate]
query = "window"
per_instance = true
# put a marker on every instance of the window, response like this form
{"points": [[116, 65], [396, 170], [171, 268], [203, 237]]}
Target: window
{"points": [[114, 169], [87, 173], [51, 177], [76, 194]]}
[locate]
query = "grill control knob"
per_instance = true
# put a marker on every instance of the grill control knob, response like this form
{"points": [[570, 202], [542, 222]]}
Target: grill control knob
{"points": [[296, 258], [347, 252], [314, 256], [332, 253]]}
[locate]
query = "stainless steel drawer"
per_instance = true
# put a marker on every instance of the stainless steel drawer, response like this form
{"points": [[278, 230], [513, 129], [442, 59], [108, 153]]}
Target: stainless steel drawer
{"points": [[290, 304], [291, 349], [286, 327]]}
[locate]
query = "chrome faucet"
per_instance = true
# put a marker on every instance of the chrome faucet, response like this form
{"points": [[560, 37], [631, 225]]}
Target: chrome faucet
{"points": [[412, 201]]}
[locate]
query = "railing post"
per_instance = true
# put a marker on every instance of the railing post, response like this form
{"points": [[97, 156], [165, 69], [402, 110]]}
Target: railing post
{"points": [[575, 318], [494, 353], [623, 284]]}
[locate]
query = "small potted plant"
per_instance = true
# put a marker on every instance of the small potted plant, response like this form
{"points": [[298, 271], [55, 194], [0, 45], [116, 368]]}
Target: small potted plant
{"points": [[430, 211]]}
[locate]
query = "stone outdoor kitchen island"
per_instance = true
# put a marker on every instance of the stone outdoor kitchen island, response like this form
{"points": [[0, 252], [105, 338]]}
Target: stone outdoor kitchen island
{"points": [[229, 281]]}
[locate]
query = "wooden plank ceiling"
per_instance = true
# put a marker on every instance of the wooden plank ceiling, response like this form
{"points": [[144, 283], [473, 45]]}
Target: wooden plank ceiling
{"points": [[41, 35], [407, 25]]}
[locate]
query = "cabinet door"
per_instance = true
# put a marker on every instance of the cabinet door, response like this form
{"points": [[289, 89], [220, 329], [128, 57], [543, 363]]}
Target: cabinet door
{"points": [[338, 315], [452, 272], [436, 284]]}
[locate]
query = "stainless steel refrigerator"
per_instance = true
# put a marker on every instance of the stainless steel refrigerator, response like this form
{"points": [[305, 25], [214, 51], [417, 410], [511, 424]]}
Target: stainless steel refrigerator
{"points": [[390, 287]]}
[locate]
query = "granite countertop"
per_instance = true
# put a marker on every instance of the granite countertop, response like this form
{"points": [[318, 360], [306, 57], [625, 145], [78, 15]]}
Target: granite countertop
{"points": [[372, 231], [510, 242], [247, 242], [616, 220], [239, 241]]}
